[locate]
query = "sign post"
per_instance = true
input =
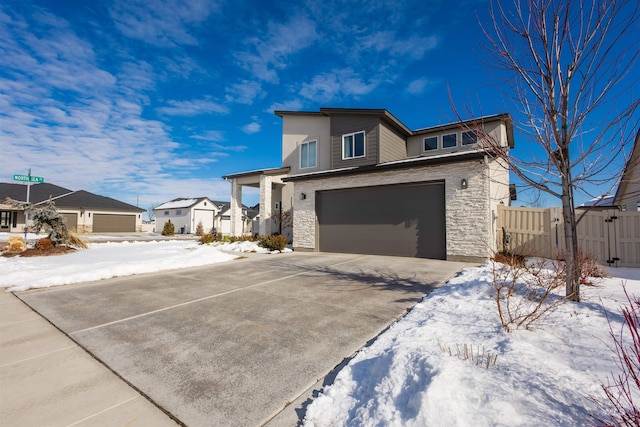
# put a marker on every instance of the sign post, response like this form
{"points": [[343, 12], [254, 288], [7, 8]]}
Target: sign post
{"points": [[29, 180]]}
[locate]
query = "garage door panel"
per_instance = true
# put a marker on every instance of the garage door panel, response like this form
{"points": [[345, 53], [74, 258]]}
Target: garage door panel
{"points": [[111, 223], [402, 220]]}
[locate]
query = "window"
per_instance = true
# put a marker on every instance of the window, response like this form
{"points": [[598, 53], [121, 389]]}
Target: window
{"points": [[431, 143], [449, 140], [353, 145], [308, 155], [469, 138], [166, 212], [178, 211]]}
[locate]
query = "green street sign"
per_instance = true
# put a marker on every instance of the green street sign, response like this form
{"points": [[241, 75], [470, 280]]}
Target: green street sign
{"points": [[27, 178]]}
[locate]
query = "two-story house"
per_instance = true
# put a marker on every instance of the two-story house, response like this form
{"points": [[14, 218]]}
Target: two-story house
{"points": [[360, 181]]}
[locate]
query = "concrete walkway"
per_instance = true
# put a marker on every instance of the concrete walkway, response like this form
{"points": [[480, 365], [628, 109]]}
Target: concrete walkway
{"points": [[48, 380]]}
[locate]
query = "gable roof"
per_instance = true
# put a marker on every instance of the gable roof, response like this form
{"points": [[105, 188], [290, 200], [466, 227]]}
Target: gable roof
{"points": [[63, 197], [182, 203], [37, 192]]}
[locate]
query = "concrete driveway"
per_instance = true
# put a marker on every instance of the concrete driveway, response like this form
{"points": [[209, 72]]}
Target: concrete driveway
{"points": [[241, 343]]}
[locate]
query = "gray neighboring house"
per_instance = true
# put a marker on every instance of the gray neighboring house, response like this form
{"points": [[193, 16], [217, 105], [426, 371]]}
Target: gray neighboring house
{"points": [[83, 211], [360, 181]]}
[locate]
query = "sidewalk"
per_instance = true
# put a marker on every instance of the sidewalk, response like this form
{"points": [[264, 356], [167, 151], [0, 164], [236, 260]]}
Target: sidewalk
{"points": [[48, 380]]}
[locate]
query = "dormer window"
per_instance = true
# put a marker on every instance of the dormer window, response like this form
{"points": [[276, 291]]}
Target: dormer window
{"points": [[469, 138], [353, 145], [449, 140], [431, 143], [308, 155]]}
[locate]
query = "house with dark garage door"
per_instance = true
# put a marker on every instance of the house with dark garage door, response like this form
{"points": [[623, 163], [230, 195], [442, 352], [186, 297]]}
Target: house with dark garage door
{"points": [[83, 211], [360, 181]]}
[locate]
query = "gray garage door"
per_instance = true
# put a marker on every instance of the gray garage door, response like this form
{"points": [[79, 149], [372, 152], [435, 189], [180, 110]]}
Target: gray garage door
{"points": [[105, 223], [401, 220], [71, 220]]}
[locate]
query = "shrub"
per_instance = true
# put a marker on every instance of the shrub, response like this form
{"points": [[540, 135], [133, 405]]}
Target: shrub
{"points": [[76, 241], [200, 229], [169, 229], [523, 292], [44, 244], [232, 239], [621, 389], [207, 238], [273, 242]]}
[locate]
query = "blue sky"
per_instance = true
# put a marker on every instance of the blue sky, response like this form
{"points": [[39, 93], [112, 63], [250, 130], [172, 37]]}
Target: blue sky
{"points": [[148, 100]]}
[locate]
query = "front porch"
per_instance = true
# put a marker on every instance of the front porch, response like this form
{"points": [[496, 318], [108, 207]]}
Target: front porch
{"points": [[273, 205]]}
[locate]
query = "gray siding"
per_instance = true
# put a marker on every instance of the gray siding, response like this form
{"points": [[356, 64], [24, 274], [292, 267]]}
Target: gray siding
{"points": [[392, 146], [341, 125]]}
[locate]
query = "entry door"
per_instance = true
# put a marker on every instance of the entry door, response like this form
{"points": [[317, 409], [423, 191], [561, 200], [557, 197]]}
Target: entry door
{"points": [[401, 220]]}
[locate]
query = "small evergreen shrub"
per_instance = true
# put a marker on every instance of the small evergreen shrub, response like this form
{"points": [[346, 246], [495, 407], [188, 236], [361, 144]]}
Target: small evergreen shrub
{"points": [[200, 229], [169, 229], [207, 238], [273, 242]]}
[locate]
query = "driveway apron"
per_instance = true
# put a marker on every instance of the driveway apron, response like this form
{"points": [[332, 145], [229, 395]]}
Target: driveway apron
{"points": [[241, 343]]}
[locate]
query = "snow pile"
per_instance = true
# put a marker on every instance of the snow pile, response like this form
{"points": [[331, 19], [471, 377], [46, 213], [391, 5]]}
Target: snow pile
{"points": [[103, 261], [246, 246], [547, 376]]}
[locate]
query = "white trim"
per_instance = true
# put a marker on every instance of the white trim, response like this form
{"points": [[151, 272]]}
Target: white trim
{"points": [[364, 140], [316, 153], [457, 134], [437, 144]]}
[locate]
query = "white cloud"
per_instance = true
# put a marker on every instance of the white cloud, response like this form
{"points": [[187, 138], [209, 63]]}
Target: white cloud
{"points": [[328, 86], [193, 107], [245, 92], [292, 105], [163, 23], [272, 52], [419, 86], [251, 128], [414, 47]]}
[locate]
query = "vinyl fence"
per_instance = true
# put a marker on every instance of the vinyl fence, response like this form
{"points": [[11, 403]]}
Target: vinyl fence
{"points": [[610, 236]]}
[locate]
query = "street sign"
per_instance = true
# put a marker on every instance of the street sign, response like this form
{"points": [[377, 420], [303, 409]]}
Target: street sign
{"points": [[27, 178]]}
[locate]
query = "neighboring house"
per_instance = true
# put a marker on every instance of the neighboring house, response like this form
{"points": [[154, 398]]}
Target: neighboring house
{"points": [[628, 193], [186, 213], [223, 219], [599, 203], [360, 181], [84, 212]]}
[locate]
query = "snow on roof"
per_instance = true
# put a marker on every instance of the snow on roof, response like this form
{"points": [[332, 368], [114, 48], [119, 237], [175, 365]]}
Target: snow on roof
{"points": [[605, 200], [178, 203]]}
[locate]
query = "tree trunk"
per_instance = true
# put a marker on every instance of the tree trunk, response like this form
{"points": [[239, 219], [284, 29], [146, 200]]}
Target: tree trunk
{"points": [[572, 259]]}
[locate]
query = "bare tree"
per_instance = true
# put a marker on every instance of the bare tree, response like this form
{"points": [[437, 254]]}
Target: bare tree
{"points": [[569, 71], [151, 213]]}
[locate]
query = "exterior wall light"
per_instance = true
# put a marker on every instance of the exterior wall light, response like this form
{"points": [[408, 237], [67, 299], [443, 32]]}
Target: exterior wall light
{"points": [[464, 184], [303, 196]]}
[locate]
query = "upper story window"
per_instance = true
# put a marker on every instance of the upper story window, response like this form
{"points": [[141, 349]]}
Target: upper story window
{"points": [[431, 143], [449, 140], [178, 211], [353, 145], [308, 155], [166, 212], [469, 137]]}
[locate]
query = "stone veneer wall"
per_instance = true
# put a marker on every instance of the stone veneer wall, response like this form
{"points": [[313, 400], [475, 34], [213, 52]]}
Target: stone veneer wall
{"points": [[468, 212]]}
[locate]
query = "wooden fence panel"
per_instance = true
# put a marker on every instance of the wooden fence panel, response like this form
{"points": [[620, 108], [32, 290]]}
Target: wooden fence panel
{"points": [[610, 236], [627, 229]]}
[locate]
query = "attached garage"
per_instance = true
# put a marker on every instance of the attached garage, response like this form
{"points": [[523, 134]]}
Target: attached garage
{"points": [[71, 220], [109, 223], [399, 220]]}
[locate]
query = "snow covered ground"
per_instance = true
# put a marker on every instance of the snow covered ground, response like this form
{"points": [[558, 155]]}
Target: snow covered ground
{"points": [[546, 376], [111, 259]]}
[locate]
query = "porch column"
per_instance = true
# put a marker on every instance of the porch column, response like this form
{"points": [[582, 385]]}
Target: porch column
{"points": [[236, 208], [265, 204]]}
